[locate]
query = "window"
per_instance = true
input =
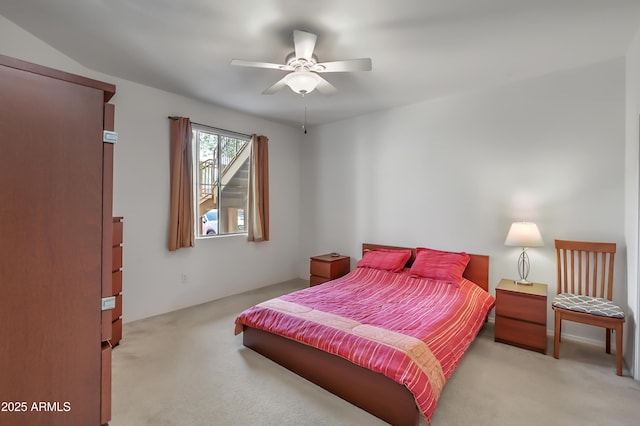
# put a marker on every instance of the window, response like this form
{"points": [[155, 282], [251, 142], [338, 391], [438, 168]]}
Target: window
{"points": [[222, 180]]}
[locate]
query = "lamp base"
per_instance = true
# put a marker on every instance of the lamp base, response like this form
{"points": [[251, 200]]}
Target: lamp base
{"points": [[523, 268]]}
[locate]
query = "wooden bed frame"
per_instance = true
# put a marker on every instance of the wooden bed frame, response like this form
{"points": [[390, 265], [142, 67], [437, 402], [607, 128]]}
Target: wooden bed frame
{"points": [[371, 391]]}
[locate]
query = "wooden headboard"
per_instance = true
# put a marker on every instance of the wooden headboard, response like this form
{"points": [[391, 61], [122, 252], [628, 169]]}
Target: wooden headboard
{"points": [[477, 270]]}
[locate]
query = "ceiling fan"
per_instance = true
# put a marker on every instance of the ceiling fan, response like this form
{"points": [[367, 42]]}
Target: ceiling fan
{"points": [[304, 67]]}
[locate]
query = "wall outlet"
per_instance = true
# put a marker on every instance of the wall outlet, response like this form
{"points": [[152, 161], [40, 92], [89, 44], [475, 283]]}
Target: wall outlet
{"points": [[183, 277]]}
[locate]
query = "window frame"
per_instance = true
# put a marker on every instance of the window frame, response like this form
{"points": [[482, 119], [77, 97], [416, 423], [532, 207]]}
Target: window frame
{"points": [[220, 134]]}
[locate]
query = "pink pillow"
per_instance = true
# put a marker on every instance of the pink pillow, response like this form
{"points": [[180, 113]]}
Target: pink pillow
{"points": [[440, 265], [385, 259]]}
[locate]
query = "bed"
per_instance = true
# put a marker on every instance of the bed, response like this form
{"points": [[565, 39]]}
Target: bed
{"points": [[385, 340]]}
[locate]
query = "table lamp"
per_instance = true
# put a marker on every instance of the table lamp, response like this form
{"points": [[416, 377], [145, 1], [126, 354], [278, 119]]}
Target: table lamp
{"points": [[525, 235]]}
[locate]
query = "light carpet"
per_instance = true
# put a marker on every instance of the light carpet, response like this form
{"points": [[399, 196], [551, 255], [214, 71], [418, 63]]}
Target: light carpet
{"points": [[187, 368]]}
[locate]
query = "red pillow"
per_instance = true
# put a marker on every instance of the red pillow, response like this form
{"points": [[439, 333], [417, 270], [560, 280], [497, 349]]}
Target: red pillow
{"points": [[440, 265], [385, 259]]}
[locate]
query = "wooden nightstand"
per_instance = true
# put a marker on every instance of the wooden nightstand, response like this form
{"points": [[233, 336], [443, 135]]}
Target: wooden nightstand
{"points": [[521, 315], [326, 268]]}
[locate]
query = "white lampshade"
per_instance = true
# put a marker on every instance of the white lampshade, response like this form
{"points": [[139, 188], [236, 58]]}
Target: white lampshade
{"points": [[524, 234], [302, 81]]}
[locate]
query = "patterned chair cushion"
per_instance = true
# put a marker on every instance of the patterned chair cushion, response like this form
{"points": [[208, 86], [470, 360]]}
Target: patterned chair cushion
{"points": [[588, 304]]}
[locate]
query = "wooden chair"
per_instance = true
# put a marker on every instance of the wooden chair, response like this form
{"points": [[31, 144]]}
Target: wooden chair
{"points": [[585, 284]]}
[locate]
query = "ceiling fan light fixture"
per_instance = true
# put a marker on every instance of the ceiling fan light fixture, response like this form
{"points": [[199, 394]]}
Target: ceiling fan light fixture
{"points": [[302, 82], [304, 66]]}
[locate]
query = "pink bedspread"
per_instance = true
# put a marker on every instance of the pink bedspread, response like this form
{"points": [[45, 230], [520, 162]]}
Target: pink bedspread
{"points": [[412, 330]]}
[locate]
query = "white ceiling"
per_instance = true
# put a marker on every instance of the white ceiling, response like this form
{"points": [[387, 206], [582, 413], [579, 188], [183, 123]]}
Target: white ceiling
{"points": [[421, 49]]}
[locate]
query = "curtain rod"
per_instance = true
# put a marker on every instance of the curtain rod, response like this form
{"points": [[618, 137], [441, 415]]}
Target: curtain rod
{"points": [[215, 128]]}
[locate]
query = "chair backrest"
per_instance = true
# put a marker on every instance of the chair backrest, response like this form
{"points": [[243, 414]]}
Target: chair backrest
{"points": [[585, 268]]}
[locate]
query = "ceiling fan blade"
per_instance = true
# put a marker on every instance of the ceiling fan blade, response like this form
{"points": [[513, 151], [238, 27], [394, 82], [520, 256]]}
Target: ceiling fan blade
{"points": [[325, 87], [362, 64], [279, 85], [253, 64], [304, 44]]}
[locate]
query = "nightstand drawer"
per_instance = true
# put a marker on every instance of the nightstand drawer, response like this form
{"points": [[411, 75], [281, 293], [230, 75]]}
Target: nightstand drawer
{"points": [[520, 333], [520, 306], [315, 280], [329, 266], [321, 269]]}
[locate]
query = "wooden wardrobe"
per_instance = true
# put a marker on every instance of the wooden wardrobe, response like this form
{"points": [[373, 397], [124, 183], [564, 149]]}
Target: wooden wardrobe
{"points": [[56, 187]]}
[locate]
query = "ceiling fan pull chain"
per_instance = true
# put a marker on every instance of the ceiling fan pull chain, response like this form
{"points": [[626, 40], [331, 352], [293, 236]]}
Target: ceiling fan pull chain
{"points": [[304, 126]]}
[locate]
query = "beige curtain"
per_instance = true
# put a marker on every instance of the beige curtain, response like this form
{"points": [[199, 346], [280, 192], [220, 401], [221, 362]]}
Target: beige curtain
{"points": [[258, 228], [181, 211]]}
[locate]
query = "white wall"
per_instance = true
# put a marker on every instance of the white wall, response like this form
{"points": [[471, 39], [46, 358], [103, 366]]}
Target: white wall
{"points": [[454, 173], [215, 267], [631, 197]]}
